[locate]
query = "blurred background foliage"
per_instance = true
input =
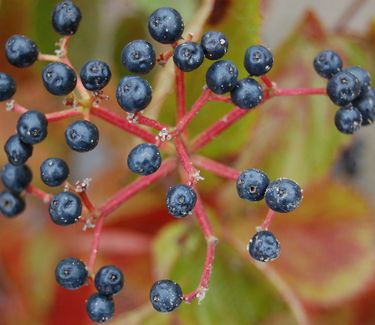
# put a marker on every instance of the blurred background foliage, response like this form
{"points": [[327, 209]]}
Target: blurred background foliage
{"points": [[326, 270]]}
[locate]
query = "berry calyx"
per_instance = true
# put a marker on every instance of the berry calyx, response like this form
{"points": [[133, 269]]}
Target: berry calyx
{"points": [[144, 159], [54, 171], [71, 273], [82, 136], [66, 17], [258, 60], [181, 200], [138, 56], [65, 208], [21, 51], [264, 246], [252, 184], [109, 280], [32, 127], [165, 296], [95, 75]]}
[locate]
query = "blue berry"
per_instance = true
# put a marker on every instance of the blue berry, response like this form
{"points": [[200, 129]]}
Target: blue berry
{"points": [[7, 86], [221, 76], [71, 273], [65, 208], [188, 56], [343, 88], [17, 151], [133, 94], [100, 308], [366, 105], [252, 184], [165, 296], [327, 63], [144, 159], [138, 56], [348, 120], [165, 25], [363, 77], [59, 79], [11, 204], [247, 93], [82, 136], [283, 195], [54, 171], [214, 44], [181, 200], [32, 127], [264, 246], [258, 60], [16, 178], [66, 17], [109, 280], [21, 51], [95, 75]]}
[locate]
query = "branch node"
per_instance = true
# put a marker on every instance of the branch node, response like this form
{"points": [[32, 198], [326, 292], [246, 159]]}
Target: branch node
{"points": [[163, 135], [9, 105], [132, 118]]}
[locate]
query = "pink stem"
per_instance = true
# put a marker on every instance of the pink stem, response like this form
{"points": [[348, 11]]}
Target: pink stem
{"points": [[180, 93], [185, 160], [141, 119], [220, 98], [57, 116], [267, 81], [297, 91], [48, 57], [95, 245], [267, 221], [216, 167], [86, 201], [40, 194], [19, 108]]}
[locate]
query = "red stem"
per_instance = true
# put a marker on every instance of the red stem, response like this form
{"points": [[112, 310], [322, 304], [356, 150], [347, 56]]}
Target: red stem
{"points": [[86, 201], [40, 194], [267, 221], [267, 81], [185, 160], [95, 245], [141, 119], [57, 116], [19, 108], [297, 91], [216, 167], [180, 93], [220, 98]]}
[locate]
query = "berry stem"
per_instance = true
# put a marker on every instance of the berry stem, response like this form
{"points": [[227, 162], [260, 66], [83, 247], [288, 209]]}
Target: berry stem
{"points": [[122, 123], [40, 194], [48, 57], [297, 91], [141, 119], [57, 116], [216, 167], [86, 201], [95, 245], [19, 108], [267, 221], [267, 81], [220, 98], [180, 93], [185, 161]]}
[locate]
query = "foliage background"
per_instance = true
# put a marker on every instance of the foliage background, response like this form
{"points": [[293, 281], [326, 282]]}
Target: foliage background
{"points": [[326, 270]]}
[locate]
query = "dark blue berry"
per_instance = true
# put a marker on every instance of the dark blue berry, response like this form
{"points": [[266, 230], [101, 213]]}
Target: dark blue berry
{"points": [[17, 151], [363, 77], [109, 280], [343, 88], [165, 25], [71, 273], [54, 171], [11, 204], [21, 51], [65, 208], [165, 296], [181, 200], [264, 246], [252, 184], [138, 56], [214, 44], [133, 93], [7, 86], [258, 60], [82, 136], [32, 127], [95, 75], [365, 103], [188, 56], [144, 159], [221, 76], [66, 17], [247, 93], [327, 63], [59, 79], [16, 178], [348, 120], [283, 195], [100, 308]]}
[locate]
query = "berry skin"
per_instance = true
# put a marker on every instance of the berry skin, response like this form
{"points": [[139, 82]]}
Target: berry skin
{"points": [[82, 136], [144, 159], [17, 151], [366, 105], [181, 200], [327, 63], [188, 56], [21, 51], [54, 171], [7, 86], [16, 178], [59, 79], [214, 44], [133, 94], [11, 204], [138, 56], [348, 120], [247, 93], [264, 246], [165, 296], [95, 75], [109, 280], [252, 184], [258, 60], [165, 25], [100, 308], [343, 88], [32, 127], [65, 208], [221, 76], [363, 77], [66, 17], [71, 273], [283, 195]]}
